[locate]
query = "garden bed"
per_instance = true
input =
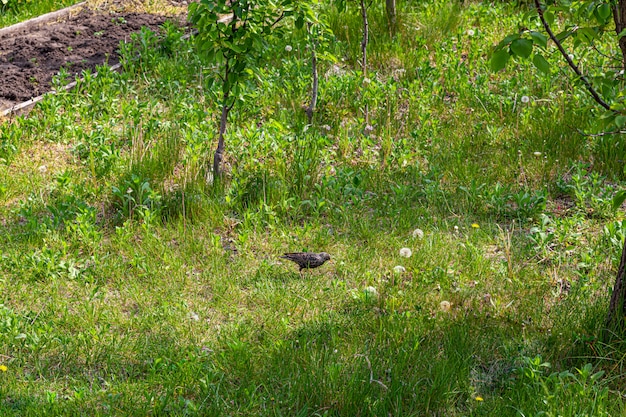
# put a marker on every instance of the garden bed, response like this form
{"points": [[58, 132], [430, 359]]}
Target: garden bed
{"points": [[31, 56]]}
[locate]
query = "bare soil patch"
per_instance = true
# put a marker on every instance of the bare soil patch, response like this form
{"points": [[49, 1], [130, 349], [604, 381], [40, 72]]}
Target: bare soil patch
{"points": [[29, 59]]}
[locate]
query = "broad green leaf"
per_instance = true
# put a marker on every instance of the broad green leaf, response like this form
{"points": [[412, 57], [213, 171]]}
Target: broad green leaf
{"points": [[620, 121], [539, 39], [549, 16], [508, 39], [603, 12], [541, 63], [499, 60], [299, 22], [619, 199], [563, 35], [522, 47]]}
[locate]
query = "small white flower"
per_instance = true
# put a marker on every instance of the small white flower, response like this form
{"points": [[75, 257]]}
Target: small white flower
{"points": [[369, 128], [525, 99], [570, 56], [288, 48], [193, 316], [406, 252], [43, 169], [537, 153], [418, 233], [366, 81], [456, 228], [470, 32], [445, 306], [326, 128], [399, 269]]}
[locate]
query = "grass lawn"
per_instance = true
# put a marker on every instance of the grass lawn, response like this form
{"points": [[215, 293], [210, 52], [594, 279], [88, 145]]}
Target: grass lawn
{"points": [[132, 284]]}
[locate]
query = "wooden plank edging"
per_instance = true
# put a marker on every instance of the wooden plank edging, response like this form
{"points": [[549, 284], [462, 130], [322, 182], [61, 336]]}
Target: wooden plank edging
{"points": [[41, 20]]}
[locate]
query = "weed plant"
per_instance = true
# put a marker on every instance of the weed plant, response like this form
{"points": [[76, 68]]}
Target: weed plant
{"points": [[132, 285]]}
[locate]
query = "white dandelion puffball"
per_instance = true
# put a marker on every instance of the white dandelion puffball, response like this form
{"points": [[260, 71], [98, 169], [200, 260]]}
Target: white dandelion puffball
{"points": [[418, 233], [406, 252], [371, 292], [288, 48], [525, 99], [445, 306], [470, 32], [537, 153], [399, 269]]}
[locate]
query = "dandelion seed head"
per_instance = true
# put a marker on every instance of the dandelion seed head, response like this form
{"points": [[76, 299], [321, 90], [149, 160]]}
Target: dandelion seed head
{"points": [[399, 269], [288, 48], [525, 99], [445, 306], [537, 153], [371, 292], [418, 233], [470, 32], [406, 252]]}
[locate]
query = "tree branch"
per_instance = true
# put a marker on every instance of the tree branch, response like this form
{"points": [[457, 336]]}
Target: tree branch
{"points": [[571, 63]]}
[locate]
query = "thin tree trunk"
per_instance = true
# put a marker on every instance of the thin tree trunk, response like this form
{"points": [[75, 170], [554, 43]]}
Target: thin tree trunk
{"points": [[619, 16], [615, 318], [314, 90], [219, 151], [364, 43], [617, 308], [391, 16]]}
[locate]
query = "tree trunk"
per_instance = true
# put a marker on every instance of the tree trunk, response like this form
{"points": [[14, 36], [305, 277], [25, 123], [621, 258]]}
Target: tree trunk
{"points": [[615, 318], [219, 152], [391, 16], [314, 90], [364, 43], [619, 16]]}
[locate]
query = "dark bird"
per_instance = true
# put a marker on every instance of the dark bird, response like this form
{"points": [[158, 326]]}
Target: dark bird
{"points": [[307, 259]]}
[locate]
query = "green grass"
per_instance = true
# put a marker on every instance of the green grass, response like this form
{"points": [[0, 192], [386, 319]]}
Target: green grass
{"points": [[122, 294], [15, 11]]}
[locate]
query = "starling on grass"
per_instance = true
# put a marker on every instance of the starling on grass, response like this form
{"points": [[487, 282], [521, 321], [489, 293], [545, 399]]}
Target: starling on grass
{"points": [[307, 259]]}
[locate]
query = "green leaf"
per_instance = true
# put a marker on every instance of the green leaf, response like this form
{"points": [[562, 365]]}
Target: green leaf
{"points": [[522, 47], [619, 199], [541, 63], [603, 13], [539, 39], [508, 39], [499, 60], [620, 121], [299, 22], [549, 16]]}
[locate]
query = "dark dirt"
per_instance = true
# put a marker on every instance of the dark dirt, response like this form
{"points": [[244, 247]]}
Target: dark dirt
{"points": [[31, 57]]}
